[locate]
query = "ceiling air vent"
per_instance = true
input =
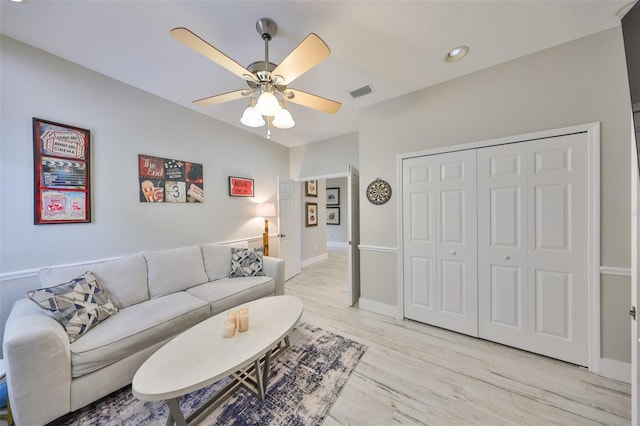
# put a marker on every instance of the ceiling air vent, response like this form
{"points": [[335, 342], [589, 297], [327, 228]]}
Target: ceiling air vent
{"points": [[365, 90]]}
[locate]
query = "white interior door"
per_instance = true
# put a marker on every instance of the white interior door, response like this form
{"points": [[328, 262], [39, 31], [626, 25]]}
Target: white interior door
{"points": [[533, 288], [457, 243], [353, 230], [502, 244], [558, 293], [419, 194], [635, 264], [289, 238], [439, 226]]}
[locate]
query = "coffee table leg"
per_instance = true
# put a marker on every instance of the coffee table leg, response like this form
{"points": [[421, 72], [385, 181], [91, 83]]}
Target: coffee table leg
{"points": [[272, 354], [259, 384], [265, 370], [175, 414]]}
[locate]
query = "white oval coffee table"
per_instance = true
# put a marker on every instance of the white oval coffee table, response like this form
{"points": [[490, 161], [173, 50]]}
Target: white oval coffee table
{"points": [[201, 356]]}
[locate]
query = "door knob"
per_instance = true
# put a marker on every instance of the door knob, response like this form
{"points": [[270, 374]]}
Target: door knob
{"points": [[281, 235], [453, 253], [632, 312], [507, 257]]}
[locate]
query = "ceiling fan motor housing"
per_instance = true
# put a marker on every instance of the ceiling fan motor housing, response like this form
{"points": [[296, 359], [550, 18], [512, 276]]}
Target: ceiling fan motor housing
{"points": [[267, 28]]}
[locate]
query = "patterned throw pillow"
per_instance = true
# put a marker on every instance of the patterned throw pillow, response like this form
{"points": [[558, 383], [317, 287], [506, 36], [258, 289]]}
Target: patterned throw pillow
{"points": [[78, 305], [246, 262]]}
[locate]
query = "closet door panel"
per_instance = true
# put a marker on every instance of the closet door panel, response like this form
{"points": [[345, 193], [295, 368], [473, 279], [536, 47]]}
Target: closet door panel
{"points": [[557, 251], [502, 243], [419, 234], [457, 242]]}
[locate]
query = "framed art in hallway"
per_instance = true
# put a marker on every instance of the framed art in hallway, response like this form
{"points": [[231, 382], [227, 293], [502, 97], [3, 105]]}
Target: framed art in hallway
{"points": [[311, 217], [333, 215], [311, 188], [333, 196], [61, 173]]}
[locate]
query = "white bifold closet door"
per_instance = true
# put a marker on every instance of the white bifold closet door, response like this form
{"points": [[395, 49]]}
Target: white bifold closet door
{"points": [[532, 246], [440, 240]]}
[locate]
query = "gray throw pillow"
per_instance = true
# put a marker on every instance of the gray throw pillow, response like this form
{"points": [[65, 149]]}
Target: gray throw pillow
{"points": [[78, 305], [246, 262]]}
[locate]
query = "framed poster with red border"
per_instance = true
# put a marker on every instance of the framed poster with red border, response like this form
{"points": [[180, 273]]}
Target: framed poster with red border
{"points": [[62, 191], [240, 187]]}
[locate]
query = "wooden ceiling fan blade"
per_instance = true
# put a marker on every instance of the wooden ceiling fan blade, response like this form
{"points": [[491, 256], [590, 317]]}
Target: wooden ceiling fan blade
{"points": [[218, 99], [309, 53], [205, 49], [313, 101]]}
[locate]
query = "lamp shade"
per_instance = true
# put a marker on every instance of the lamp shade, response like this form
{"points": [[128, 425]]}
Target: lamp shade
{"points": [[265, 210], [252, 118], [268, 104], [283, 120]]}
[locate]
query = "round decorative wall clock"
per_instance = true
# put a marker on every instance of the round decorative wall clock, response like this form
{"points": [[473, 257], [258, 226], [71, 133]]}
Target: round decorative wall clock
{"points": [[379, 191]]}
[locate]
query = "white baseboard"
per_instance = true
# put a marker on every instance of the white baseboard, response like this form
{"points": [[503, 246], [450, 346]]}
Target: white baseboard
{"points": [[313, 260], [378, 308], [616, 370]]}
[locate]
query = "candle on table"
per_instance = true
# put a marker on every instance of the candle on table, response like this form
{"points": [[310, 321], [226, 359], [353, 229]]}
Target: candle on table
{"points": [[243, 319], [229, 328], [233, 316]]}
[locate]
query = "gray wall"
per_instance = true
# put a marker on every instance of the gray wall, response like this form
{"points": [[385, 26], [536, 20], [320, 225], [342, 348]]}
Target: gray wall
{"points": [[124, 122], [327, 157], [579, 82], [338, 233]]}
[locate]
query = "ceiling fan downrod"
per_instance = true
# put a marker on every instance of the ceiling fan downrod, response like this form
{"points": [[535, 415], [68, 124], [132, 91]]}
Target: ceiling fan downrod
{"points": [[267, 28]]}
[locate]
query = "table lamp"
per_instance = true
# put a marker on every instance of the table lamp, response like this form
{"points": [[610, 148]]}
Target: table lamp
{"points": [[265, 210]]}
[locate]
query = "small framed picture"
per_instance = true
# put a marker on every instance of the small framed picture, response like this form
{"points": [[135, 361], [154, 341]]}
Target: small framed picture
{"points": [[311, 188], [311, 218], [240, 187], [333, 215], [333, 196]]}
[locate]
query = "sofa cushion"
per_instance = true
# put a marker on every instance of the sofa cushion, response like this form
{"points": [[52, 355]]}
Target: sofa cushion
{"points": [[135, 328], [226, 293], [174, 270], [217, 259], [125, 278], [78, 305], [246, 263]]}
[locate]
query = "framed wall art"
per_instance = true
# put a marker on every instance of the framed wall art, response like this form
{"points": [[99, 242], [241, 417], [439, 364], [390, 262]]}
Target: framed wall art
{"points": [[333, 215], [333, 196], [62, 191], [164, 180], [311, 217], [241, 187], [311, 188]]}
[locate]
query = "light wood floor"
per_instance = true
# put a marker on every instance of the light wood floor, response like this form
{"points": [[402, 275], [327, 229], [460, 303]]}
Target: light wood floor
{"points": [[417, 374]]}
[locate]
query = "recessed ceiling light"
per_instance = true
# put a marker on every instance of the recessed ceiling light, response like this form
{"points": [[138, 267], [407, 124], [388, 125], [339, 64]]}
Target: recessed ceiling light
{"points": [[456, 54], [17, 1]]}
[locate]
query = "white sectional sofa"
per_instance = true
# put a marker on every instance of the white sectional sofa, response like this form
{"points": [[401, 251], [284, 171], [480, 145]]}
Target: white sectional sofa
{"points": [[158, 295]]}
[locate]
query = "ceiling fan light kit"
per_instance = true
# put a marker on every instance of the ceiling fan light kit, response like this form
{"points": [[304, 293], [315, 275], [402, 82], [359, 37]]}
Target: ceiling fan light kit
{"points": [[252, 118], [283, 120], [268, 104], [266, 80]]}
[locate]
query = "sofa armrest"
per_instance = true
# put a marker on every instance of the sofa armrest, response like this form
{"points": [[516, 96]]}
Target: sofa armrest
{"points": [[274, 268], [38, 362]]}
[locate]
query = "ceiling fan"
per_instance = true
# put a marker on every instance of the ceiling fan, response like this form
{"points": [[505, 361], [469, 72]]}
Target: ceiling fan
{"points": [[268, 82]]}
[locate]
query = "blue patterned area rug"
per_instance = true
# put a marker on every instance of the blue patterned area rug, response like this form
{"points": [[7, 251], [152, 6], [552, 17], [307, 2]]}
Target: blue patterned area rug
{"points": [[304, 383]]}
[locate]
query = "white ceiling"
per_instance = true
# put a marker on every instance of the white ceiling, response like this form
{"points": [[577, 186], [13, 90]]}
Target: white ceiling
{"points": [[394, 46]]}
